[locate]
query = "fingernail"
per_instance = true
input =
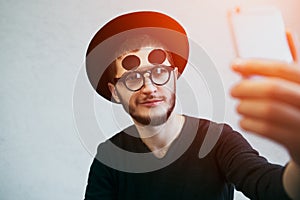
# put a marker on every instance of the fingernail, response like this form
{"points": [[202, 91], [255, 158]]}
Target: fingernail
{"points": [[238, 61], [237, 64]]}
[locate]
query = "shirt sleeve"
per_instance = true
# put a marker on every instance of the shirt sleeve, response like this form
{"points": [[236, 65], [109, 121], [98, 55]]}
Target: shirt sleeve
{"points": [[100, 183], [251, 173]]}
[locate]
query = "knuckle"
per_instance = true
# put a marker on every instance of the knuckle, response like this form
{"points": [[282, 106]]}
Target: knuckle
{"points": [[271, 88], [268, 110], [266, 128], [239, 107]]}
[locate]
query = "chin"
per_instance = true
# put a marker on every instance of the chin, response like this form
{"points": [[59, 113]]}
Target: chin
{"points": [[150, 121], [153, 116]]}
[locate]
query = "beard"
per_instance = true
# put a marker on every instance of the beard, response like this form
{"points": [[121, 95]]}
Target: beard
{"points": [[154, 116]]}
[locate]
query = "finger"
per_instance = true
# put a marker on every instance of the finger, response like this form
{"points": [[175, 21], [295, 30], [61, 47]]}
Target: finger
{"points": [[264, 67], [271, 88], [271, 111], [282, 135]]}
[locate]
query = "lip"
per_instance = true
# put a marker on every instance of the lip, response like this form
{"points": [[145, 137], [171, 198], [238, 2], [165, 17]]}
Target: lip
{"points": [[152, 103]]}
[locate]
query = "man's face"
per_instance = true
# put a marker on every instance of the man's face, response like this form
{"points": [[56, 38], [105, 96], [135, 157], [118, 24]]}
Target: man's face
{"points": [[146, 88]]}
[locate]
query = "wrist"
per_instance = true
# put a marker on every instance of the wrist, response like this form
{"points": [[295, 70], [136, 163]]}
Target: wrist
{"points": [[291, 180]]}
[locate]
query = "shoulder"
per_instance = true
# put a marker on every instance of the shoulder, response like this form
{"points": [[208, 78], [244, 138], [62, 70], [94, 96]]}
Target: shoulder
{"points": [[206, 124], [220, 130], [208, 128], [212, 136]]}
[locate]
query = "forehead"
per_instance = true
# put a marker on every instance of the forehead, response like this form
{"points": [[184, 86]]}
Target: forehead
{"points": [[143, 50]]}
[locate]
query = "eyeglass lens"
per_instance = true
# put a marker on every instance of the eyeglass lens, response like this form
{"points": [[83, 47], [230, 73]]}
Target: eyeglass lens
{"points": [[156, 56]]}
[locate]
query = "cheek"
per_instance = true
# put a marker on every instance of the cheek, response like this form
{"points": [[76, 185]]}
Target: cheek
{"points": [[170, 95], [132, 99], [123, 94], [128, 99], [167, 93], [170, 87]]}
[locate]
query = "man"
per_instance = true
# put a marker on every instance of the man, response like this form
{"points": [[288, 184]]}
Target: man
{"points": [[135, 60]]}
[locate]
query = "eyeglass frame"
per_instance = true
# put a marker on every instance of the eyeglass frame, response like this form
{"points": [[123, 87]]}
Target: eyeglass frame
{"points": [[122, 79]]}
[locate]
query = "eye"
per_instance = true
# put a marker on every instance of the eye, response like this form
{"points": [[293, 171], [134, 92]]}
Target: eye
{"points": [[157, 56], [134, 80], [133, 76], [159, 72], [130, 62]]}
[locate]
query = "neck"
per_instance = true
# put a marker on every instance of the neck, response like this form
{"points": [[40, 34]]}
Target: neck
{"points": [[161, 136]]}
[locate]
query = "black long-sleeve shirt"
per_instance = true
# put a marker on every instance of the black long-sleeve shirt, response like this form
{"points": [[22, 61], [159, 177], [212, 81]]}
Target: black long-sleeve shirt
{"points": [[232, 163]]}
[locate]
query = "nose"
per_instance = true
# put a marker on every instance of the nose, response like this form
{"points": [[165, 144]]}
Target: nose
{"points": [[148, 87]]}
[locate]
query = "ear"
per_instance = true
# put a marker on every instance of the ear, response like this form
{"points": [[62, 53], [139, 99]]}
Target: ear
{"points": [[113, 91]]}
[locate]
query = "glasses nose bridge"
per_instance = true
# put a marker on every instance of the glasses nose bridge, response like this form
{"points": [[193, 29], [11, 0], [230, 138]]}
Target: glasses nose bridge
{"points": [[148, 84], [147, 76]]}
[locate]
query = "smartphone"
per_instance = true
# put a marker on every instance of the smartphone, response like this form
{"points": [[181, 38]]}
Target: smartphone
{"points": [[259, 32]]}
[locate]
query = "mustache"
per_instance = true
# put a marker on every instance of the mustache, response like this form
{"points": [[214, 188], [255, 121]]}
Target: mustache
{"points": [[151, 97]]}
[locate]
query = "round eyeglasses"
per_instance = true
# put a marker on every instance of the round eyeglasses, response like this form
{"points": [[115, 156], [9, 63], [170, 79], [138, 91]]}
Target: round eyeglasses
{"points": [[135, 80]]}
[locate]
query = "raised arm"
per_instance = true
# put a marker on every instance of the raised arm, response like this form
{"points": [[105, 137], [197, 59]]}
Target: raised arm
{"points": [[270, 107]]}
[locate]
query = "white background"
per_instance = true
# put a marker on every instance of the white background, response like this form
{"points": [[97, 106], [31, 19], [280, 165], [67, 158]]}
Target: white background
{"points": [[43, 45]]}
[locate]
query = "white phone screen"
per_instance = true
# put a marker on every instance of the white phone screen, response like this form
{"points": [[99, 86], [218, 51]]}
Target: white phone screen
{"points": [[260, 33]]}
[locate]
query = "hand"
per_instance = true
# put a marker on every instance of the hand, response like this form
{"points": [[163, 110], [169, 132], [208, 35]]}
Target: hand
{"points": [[270, 106]]}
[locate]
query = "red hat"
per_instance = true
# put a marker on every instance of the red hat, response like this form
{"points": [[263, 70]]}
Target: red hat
{"points": [[105, 44]]}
